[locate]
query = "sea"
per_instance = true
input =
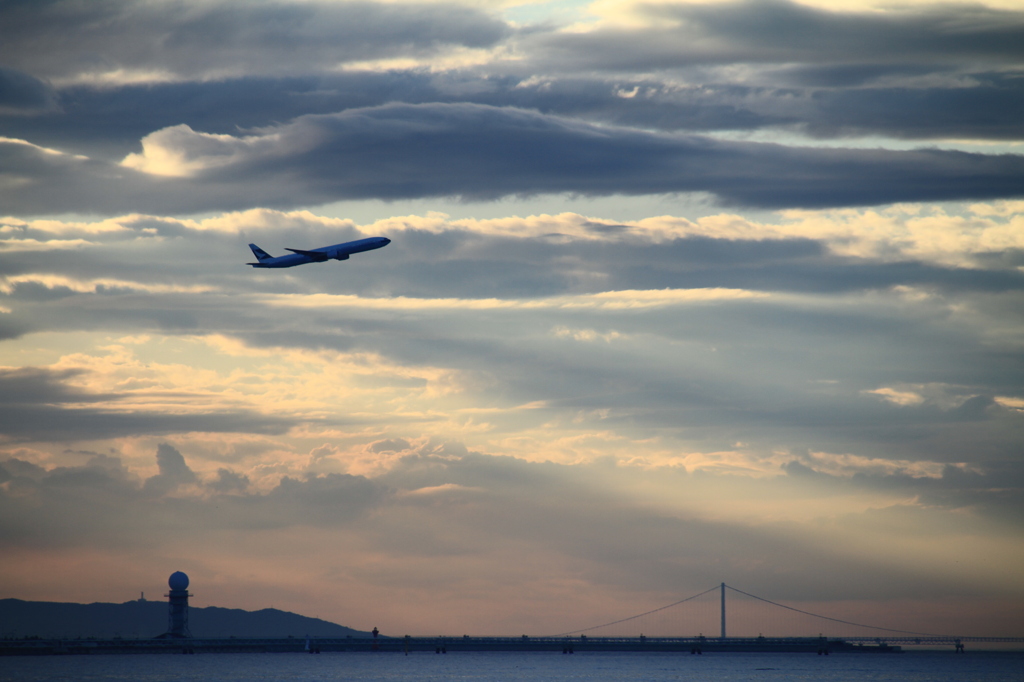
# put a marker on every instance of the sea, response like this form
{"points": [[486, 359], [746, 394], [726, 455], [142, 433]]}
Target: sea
{"points": [[913, 666]]}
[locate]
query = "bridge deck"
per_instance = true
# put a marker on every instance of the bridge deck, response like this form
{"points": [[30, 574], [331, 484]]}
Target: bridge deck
{"points": [[465, 643]]}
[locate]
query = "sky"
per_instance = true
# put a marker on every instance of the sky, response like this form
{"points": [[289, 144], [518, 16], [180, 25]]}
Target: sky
{"points": [[678, 293]]}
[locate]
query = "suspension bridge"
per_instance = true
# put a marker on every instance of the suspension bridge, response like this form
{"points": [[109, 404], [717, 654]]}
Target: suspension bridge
{"points": [[750, 613]]}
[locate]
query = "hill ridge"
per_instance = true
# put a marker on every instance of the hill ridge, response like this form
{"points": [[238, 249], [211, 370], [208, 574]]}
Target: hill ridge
{"points": [[142, 619]]}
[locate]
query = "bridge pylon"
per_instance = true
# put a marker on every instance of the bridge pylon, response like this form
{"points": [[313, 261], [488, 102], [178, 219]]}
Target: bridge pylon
{"points": [[723, 610]]}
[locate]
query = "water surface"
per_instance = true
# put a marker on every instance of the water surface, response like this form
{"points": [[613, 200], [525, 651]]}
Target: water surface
{"points": [[518, 667]]}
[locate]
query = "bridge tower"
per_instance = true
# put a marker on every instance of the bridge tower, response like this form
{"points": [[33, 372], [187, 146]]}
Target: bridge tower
{"points": [[723, 610]]}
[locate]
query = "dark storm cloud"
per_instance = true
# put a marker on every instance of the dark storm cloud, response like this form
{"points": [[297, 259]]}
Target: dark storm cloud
{"points": [[480, 152], [110, 121], [63, 38], [937, 72], [786, 32], [21, 93], [989, 110], [39, 386], [107, 123], [930, 73], [402, 151], [55, 182], [41, 407], [951, 71]]}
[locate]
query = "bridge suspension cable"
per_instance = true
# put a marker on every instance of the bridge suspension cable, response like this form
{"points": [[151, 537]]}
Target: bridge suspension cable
{"points": [[639, 615], [836, 620], [752, 596]]}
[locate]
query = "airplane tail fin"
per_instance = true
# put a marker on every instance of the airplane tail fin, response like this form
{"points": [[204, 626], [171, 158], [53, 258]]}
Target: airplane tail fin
{"points": [[260, 254]]}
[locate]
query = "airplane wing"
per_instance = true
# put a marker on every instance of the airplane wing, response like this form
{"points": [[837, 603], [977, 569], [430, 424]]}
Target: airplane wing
{"points": [[318, 256]]}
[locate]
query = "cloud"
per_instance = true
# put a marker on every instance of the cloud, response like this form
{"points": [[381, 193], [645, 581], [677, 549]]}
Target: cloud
{"points": [[228, 481], [919, 112], [898, 397], [43, 406], [995, 491], [181, 152], [975, 105], [122, 40], [608, 300], [42, 287], [174, 472], [937, 72], [461, 507], [680, 34], [477, 152], [974, 245], [23, 94], [249, 126], [775, 333], [99, 504], [522, 409], [454, 147], [28, 385]]}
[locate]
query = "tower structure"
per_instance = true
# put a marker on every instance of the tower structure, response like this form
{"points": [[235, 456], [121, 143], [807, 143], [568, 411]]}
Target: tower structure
{"points": [[723, 610], [177, 606]]}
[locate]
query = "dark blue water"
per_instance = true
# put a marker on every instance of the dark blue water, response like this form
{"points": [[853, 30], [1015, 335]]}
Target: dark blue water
{"points": [[518, 667]]}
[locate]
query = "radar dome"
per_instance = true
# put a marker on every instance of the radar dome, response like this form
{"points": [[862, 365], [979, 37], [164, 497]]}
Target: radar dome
{"points": [[178, 581]]}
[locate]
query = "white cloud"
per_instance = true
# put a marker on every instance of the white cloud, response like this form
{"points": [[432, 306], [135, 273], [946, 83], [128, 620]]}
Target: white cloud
{"points": [[898, 397], [38, 148], [101, 285], [587, 335], [1011, 402], [181, 152], [606, 300], [845, 464], [945, 236]]}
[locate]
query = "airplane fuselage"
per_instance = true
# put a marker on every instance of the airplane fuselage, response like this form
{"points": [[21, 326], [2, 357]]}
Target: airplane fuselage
{"points": [[325, 253]]}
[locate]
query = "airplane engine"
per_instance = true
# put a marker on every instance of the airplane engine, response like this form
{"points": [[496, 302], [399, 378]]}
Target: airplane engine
{"points": [[340, 256]]}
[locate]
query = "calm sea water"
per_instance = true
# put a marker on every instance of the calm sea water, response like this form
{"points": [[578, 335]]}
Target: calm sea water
{"points": [[518, 667]]}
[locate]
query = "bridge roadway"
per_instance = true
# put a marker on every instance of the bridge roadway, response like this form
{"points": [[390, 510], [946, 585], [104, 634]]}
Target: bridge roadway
{"points": [[694, 645], [913, 640]]}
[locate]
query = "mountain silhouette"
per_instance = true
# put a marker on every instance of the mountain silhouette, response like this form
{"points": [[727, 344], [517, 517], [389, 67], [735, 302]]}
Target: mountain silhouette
{"points": [[145, 619]]}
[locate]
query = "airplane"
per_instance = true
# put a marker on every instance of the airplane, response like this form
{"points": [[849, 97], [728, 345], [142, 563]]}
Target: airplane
{"points": [[324, 253]]}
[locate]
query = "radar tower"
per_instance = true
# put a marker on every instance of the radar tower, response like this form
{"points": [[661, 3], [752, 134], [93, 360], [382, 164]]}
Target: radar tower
{"points": [[177, 607]]}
